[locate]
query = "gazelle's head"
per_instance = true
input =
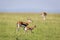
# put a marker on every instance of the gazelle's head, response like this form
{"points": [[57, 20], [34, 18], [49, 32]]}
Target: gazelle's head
{"points": [[29, 20]]}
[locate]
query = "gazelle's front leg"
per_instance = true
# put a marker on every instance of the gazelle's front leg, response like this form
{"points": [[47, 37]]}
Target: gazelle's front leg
{"points": [[18, 27]]}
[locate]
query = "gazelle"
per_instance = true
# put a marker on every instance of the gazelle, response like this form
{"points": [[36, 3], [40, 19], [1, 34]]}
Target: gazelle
{"points": [[30, 28], [44, 14], [23, 24]]}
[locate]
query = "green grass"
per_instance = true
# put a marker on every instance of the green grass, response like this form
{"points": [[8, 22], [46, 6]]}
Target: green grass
{"points": [[45, 30]]}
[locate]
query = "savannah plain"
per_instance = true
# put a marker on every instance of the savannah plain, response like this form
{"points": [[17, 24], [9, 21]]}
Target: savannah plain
{"points": [[45, 30]]}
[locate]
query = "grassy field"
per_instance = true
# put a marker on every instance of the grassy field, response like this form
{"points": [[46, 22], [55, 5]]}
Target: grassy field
{"points": [[45, 30]]}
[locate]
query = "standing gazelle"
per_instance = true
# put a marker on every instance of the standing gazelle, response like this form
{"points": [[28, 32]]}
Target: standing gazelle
{"points": [[23, 24], [44, 14]]}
